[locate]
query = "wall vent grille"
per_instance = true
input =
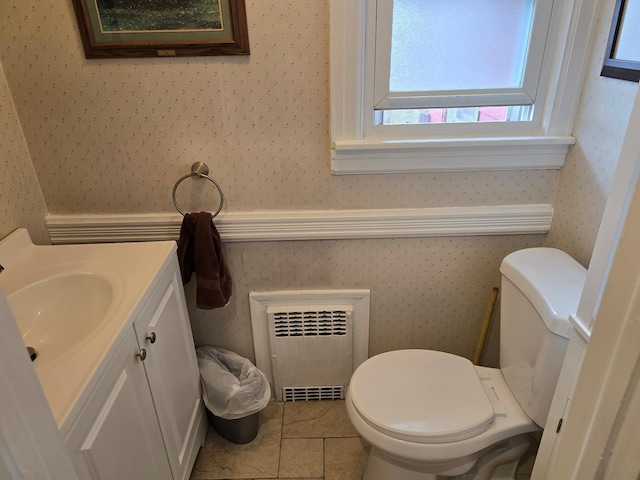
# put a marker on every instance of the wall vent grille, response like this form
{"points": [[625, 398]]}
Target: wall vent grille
{"points": [[310, 323], [309, 342], [311, 349], [303, 394]]}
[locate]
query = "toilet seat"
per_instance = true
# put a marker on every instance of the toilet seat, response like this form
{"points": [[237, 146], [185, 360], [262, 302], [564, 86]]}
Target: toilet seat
{"points": [[436, 397]]}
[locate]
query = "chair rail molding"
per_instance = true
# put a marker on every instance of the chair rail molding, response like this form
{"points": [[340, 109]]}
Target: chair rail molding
{"points": [[281, 225]]}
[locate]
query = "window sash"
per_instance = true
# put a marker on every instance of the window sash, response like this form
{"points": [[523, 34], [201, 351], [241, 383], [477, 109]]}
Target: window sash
{"points": [[379, 45]]}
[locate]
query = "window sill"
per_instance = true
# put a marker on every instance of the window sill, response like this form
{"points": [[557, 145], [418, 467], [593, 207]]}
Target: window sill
{"points": [[449, 155]]}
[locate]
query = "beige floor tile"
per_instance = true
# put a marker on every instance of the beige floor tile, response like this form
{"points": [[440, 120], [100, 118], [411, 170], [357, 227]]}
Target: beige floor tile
{"points": [[220, 459], [324, 418], [344, 458], [301, 458]]}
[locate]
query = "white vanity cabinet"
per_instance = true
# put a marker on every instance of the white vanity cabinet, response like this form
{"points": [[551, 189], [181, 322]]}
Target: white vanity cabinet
{"points": [[145, 419], [117, 435], [173, 374]]}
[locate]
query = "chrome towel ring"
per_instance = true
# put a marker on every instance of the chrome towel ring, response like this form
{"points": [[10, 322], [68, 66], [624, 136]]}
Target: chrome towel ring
{"points": [[200, 170]]}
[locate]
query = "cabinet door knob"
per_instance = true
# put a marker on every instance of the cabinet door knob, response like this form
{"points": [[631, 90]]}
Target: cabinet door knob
{"points": [[152, 337], [142, 354]]}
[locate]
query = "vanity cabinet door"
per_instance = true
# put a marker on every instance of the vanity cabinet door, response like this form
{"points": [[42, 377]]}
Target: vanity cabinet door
{"points": [[117, 436], [172, 370]]}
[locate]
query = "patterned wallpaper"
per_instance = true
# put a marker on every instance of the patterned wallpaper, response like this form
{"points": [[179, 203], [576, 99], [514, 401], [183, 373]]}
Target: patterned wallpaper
{"points": [[425, 292], [21, 201], [124, 130], [600, 126], [112, 136]]}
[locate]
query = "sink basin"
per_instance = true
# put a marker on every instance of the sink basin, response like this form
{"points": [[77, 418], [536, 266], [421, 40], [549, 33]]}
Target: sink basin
{"points": [[74, 303], [57, 314]]}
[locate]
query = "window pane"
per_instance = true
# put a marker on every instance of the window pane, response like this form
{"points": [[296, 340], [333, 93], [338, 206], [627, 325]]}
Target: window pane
{"points": [[459, 44], [419, 116]]}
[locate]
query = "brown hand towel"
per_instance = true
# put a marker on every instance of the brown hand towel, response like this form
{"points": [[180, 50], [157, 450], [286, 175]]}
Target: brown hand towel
{"points": [[200, 250]]}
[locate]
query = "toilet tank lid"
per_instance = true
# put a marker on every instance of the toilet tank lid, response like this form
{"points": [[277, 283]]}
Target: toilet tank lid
{"points": [[551, 280]]}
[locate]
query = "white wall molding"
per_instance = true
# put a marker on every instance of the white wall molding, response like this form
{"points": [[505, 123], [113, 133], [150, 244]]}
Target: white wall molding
{"points": [[275, 225]]}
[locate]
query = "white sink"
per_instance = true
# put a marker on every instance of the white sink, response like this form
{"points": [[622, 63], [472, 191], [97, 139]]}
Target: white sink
{"points": [[58, 314], [71, 303]]}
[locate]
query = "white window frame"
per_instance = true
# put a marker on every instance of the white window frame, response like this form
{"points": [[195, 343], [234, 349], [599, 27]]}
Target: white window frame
{"points": [[359, 146]]}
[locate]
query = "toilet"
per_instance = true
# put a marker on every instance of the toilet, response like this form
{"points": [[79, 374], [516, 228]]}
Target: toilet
{"points": [[429, 414]]}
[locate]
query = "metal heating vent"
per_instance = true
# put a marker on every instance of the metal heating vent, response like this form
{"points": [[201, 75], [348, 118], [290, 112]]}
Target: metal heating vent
{"points": [[311, 351], [310, 323], [303, 394]]}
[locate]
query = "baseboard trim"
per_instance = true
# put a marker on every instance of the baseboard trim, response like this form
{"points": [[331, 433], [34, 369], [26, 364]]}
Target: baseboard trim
{"points": [[280, 225]]}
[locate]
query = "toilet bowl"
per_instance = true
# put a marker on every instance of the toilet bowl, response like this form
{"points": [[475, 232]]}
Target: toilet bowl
{"points": [[431, 415], [425, 411]]}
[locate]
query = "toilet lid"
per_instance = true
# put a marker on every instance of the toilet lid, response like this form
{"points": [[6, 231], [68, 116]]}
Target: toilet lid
{"points": [[421, 396]]}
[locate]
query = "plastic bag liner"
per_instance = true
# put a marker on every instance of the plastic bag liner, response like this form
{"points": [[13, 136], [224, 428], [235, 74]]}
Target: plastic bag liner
{"points": [[232, 387]]}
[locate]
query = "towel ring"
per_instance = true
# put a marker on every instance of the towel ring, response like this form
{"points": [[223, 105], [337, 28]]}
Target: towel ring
{"points": [[201, 170]]}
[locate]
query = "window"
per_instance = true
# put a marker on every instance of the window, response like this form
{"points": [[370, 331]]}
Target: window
{"points": [[462, 53], [432, 85]]}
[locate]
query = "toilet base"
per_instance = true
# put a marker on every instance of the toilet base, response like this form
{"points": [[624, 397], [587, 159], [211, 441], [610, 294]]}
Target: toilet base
{"points": [[499, 462], [381, 466]]}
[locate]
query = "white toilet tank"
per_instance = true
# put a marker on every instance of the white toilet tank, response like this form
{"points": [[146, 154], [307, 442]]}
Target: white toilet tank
{"points": [[541, 287]]}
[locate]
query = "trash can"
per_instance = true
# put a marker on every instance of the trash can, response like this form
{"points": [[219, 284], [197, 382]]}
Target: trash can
{"points": [[234, 391]]}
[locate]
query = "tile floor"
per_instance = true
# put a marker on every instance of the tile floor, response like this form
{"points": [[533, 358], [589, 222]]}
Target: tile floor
{"points": [[296, 440]]}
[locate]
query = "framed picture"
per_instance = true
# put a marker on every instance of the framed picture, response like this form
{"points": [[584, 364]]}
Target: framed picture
{"points": [[162, 28], [622, 57]]}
